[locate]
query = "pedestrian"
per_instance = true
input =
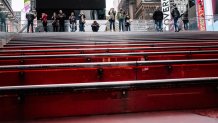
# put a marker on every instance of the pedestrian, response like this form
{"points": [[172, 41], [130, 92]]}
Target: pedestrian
{"points": [[112, 15], [61, 18], [176, 15], [30, 16], [55, 22], [121, 19], [95, 26], [73, 23], [158, 19], [127, 23], [185, 20], [44, 21], [82, 22]]}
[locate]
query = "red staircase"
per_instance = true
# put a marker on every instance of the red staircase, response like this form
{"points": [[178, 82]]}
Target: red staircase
{"points": [[76, 77]]}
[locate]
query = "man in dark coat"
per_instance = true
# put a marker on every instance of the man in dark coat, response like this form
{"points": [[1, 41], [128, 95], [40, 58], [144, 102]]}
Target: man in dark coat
{"points": [[61, 17], [30, 16], [185, 20], [176, 15], [158, 18]]}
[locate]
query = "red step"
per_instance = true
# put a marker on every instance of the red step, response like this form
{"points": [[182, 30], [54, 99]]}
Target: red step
{"points": [[49, 101], [103, 72]]}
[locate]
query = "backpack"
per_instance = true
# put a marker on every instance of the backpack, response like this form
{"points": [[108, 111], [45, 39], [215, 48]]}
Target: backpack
{"points": [[175, 13]]}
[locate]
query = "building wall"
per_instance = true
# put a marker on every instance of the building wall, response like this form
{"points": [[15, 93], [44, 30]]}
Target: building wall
{"points": [[182, 5], [144, 9]]}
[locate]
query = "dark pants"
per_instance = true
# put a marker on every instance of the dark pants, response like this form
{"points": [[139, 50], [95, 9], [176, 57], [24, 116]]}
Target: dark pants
{"points": [[121, 25], [73, 27], [112, 24], [158, 24], [176, 26], [82, 27], [128, 28], [45, 26], [95, 29], [55, 28], [185, 22], [62, 28], [29, 23]]}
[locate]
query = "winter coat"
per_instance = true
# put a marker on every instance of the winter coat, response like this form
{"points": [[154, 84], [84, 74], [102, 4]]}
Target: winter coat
{"points": [[158, 15]]}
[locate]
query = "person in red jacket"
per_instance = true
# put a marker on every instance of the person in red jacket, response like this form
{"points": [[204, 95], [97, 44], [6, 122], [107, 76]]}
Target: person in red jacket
{"points": [[44, 21]]}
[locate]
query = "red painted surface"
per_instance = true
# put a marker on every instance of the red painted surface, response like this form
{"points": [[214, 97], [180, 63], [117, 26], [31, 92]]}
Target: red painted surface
{"points": [[52, 105], [124, 73], [29, 61], [93, 51], [61, 104], [114, 46]]}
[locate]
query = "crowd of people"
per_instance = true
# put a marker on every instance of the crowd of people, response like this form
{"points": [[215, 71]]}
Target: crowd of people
{"points": [[58, 20], [158, 17], [123, 19]]}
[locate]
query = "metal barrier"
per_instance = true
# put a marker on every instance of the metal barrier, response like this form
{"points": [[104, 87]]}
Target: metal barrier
{"points": [[31, 51], [109, 55], [117, 85], [106, 64]]}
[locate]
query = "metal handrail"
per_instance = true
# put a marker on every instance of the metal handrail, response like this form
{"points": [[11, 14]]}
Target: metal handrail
{"points": [[48, 39], [9, 7], [24, 28], [28, 43], [108, 54], [117, 85], [96, 49], [139, 44], [108, 64]]}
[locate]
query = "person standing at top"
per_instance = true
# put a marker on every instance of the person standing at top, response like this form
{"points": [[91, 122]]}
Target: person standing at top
{"points": [[112, 15], [61, 18], [158, 19], [44, 21], [127, 23], [176, 15], [55, 22], [30, 16], [82, 22], [185, 20], [121, 18], [73, 23]]}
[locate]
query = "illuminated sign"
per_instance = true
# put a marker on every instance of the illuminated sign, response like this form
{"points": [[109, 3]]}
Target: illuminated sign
{"points": [[201, 15], [26, 5]]}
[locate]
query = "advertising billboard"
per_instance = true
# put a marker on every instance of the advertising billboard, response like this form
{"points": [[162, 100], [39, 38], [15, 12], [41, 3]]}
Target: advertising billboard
{"points": [[215, 6], [201, 15], [167, 14]]}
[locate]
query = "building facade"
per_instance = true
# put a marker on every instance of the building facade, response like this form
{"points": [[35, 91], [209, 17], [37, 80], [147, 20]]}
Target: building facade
{"points": [[145, 9], [127, 5], [182, 5]]}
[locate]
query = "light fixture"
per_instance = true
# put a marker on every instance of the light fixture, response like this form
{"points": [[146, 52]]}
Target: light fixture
{"points": [[1, 4], [5, 11]]}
